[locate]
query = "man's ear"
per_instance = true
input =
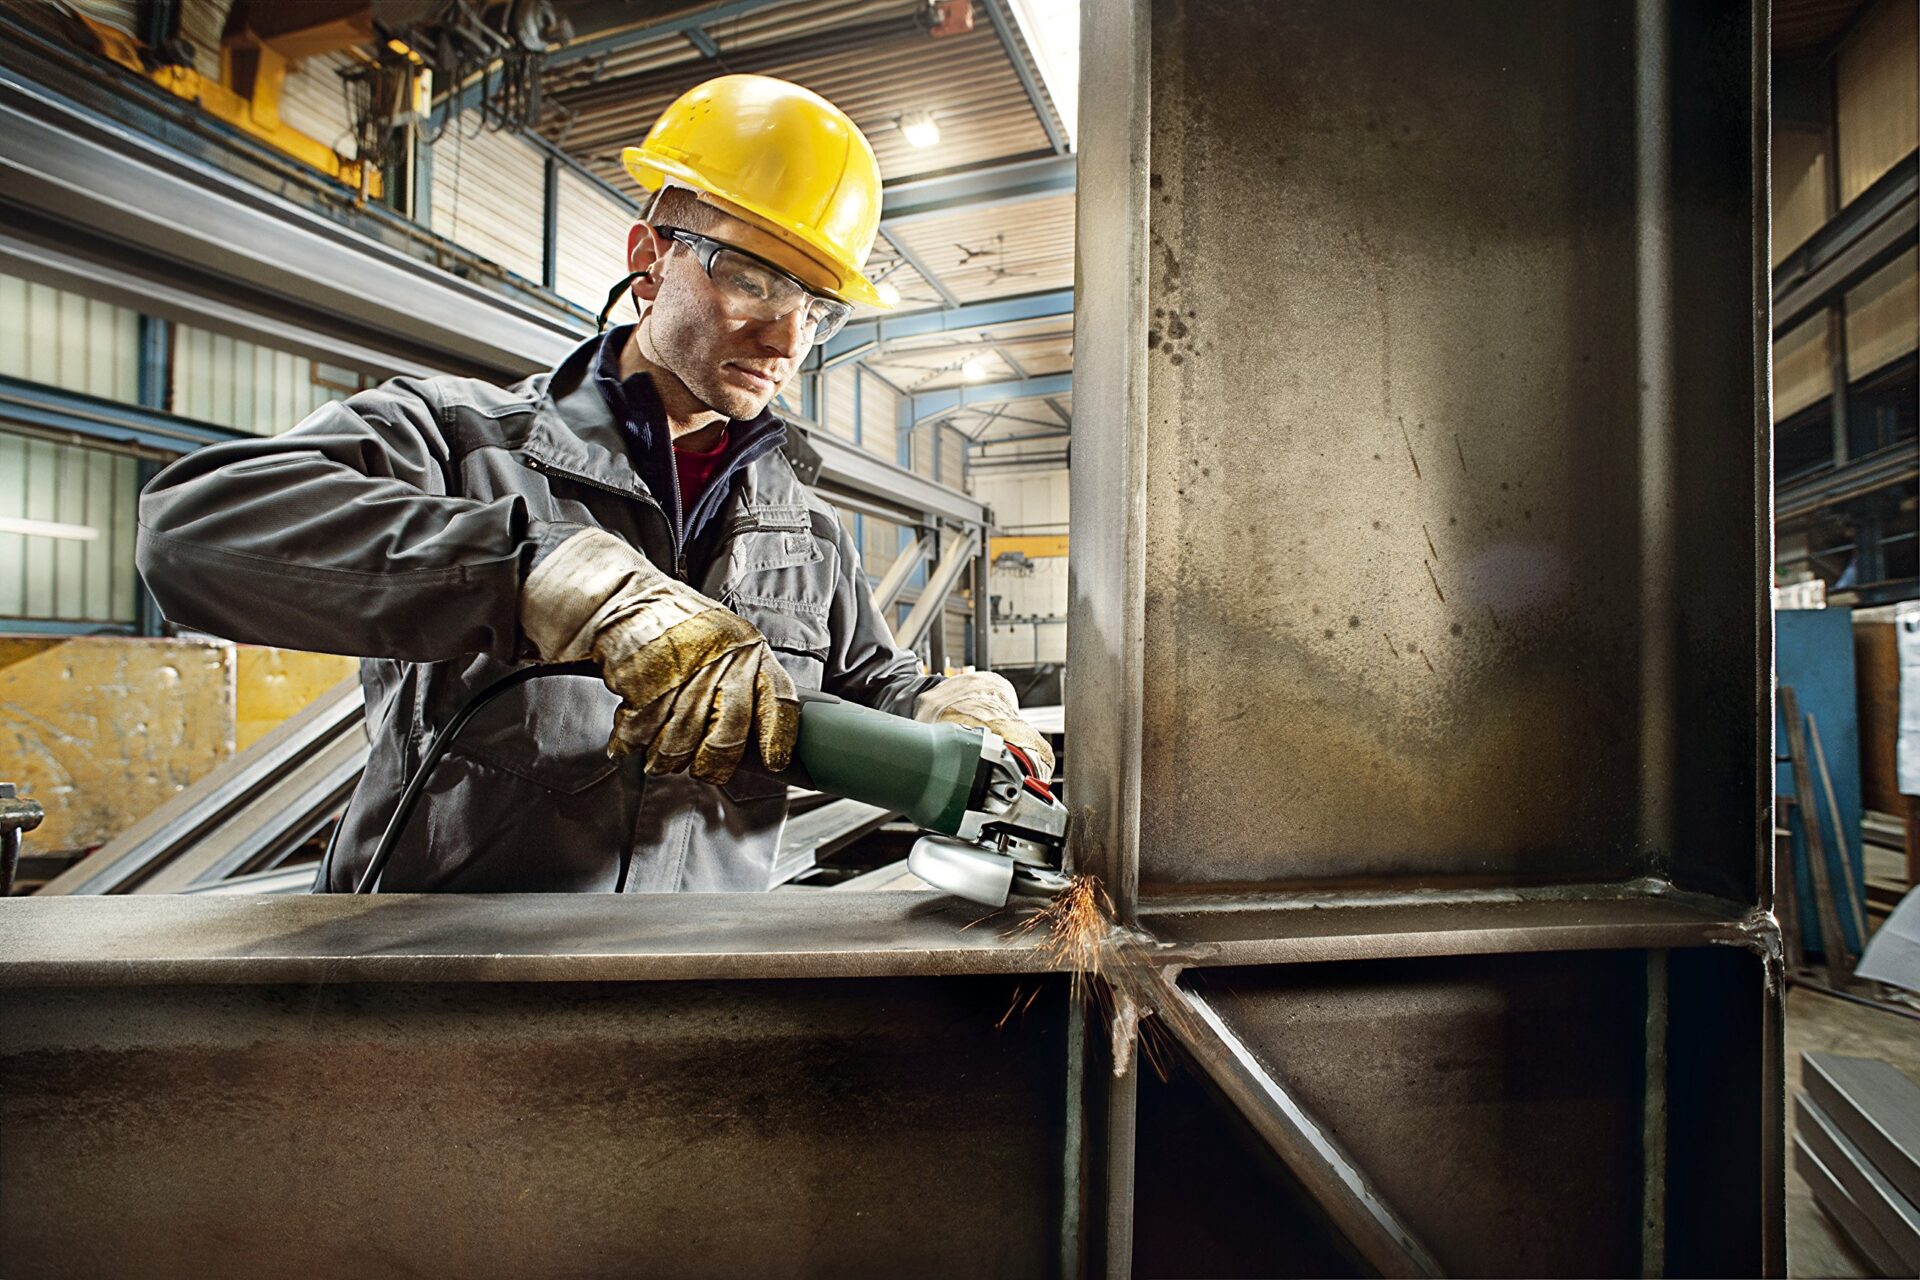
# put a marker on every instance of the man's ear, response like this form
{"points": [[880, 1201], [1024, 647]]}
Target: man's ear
{"points": [[645, 249]]}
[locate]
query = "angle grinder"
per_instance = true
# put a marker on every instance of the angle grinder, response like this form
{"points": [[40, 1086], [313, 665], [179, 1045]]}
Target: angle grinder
{"points": [[994, 828]]}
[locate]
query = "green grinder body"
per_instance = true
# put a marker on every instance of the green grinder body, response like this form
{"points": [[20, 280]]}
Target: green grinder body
{"points": [[926, 771]]}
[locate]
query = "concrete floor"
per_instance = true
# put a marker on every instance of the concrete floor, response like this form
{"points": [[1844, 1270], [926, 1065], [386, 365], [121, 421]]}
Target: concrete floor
{"points": [[1826, 1024]]}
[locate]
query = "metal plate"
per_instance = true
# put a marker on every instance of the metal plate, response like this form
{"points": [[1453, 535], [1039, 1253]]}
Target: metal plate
{"points": [[863, 1127], [1493, 1102], [1437, 357]]}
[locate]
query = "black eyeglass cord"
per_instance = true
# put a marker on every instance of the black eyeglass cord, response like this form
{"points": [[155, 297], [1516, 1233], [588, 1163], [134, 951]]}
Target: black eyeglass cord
{"points": [[370, 878]]}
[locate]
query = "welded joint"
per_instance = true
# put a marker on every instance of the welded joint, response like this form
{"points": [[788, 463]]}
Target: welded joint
{"points": [[1759, 932]]}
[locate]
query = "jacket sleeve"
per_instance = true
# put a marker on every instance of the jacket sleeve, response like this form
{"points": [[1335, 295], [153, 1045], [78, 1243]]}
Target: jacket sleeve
{"points": [[341, 536], [863, 663]]}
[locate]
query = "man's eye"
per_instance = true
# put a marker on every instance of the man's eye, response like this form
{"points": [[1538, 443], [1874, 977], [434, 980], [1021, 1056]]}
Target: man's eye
{"points": [[751, 283]]}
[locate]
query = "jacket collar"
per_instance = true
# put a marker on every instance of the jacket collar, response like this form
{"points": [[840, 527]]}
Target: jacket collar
{"points": [[574, 429]]}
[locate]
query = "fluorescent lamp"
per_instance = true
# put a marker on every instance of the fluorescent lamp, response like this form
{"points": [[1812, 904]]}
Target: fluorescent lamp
{"points": [[49, 529], [888, 294], [921, 129], [974, 370]]}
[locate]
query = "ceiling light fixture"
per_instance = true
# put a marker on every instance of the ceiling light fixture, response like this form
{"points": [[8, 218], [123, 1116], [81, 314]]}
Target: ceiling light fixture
{"points": [[921, 129], [888, 294], [974, 370]]}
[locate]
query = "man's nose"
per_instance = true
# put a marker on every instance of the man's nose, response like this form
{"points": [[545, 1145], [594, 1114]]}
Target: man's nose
{"points": [[790, 335]]}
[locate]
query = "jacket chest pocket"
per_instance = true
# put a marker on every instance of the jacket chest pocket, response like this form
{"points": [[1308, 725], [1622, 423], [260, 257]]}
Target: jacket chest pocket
{"points": [[796, 630], [773, 537]]}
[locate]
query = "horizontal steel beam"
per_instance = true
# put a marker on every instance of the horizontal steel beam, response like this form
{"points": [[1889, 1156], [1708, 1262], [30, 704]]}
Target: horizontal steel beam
{"points": [[1853, 479], [1308, 928], [641, 937], [971, 190], [162, 289], [972, 315], [931, 404], [61, 412], [893, 491], [534, 937], [110, 185]]}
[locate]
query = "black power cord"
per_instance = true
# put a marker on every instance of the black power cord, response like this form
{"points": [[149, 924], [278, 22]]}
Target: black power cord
{"points": [[369, 879]]}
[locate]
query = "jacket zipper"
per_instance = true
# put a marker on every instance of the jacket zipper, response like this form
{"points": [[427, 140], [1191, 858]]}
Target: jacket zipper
{"points": [[679, 516], [645, 499]]}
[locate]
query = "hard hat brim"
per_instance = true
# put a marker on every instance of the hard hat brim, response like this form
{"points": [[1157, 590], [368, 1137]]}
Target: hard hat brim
{"points": [[653, 171]]}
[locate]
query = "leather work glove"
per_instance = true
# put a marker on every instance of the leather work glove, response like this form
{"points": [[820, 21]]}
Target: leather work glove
{"points": [[694, 679], [984, 700]]}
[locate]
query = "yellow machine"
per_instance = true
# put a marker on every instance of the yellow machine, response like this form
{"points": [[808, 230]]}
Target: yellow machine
{"points": [[258, 43]]}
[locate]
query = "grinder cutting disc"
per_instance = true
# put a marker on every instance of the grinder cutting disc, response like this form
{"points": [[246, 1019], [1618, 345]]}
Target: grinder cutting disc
{"points": [[980, 875]]}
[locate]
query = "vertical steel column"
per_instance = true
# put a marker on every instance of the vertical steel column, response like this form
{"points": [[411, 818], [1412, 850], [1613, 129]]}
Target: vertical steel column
{"points": [[550, 224], [981, 655]]}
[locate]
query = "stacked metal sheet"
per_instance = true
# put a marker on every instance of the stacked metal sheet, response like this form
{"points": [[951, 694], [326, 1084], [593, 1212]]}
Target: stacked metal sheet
{"points": [[1857, 1143]]}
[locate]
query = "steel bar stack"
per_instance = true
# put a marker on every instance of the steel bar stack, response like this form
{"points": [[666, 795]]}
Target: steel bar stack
{"points": [[1857, 1143]]}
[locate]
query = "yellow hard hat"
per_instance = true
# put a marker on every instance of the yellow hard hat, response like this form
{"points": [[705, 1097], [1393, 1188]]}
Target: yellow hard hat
{"points": [[783, 155]]}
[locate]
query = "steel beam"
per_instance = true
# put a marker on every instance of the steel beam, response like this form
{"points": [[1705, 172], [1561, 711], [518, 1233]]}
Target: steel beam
{"points": [[925, 271], [194, 815], [887, 591], [975, 189], [1036, 93], [931, 605], [888, 490], [931, 404], [1312, 1153], [109, 184], [972, 315], [1878, 225], [335, 938], [69, 413]]}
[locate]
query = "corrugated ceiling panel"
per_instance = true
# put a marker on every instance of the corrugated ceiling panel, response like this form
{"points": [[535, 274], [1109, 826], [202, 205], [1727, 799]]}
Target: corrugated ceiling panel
{"points": [[488, 196], [592, 249], [967, 82], [1000, 252], [1801, 372]]}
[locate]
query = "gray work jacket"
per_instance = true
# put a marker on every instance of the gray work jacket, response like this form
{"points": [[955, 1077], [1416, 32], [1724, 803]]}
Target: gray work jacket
{"points": [[398, 526]]}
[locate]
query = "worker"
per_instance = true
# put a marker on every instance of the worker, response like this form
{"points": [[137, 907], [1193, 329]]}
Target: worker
{"points": [[639, 505]]}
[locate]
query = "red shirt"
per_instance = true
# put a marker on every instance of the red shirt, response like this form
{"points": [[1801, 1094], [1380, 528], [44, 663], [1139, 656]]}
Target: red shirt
{"points": [[696, 469]]}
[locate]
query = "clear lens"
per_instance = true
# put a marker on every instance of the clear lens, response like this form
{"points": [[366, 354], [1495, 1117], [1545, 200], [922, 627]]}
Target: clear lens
{"points": [[754, 289]]}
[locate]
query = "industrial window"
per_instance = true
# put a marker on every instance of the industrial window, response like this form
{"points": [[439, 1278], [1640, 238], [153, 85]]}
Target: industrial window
{"points": [[66, 532]]}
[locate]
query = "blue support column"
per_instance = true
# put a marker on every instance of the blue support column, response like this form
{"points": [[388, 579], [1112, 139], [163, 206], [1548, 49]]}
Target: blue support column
{"points": [[155, 390]]}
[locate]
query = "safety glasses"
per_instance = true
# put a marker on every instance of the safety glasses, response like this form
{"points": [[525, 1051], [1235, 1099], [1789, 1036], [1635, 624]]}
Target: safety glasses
{"points": [[759, 290]]}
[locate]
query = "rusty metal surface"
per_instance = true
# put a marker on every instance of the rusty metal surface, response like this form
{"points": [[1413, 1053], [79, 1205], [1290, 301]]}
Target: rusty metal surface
{"points": [[1405, 488], [98, 942], [852, 1128]]}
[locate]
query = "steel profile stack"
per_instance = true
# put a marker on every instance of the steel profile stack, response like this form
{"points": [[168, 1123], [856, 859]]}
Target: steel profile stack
{"points": [[1856, 1143]]}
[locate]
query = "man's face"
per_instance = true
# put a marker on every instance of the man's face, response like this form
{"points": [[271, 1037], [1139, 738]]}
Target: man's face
{"points": [[731, 363]]}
